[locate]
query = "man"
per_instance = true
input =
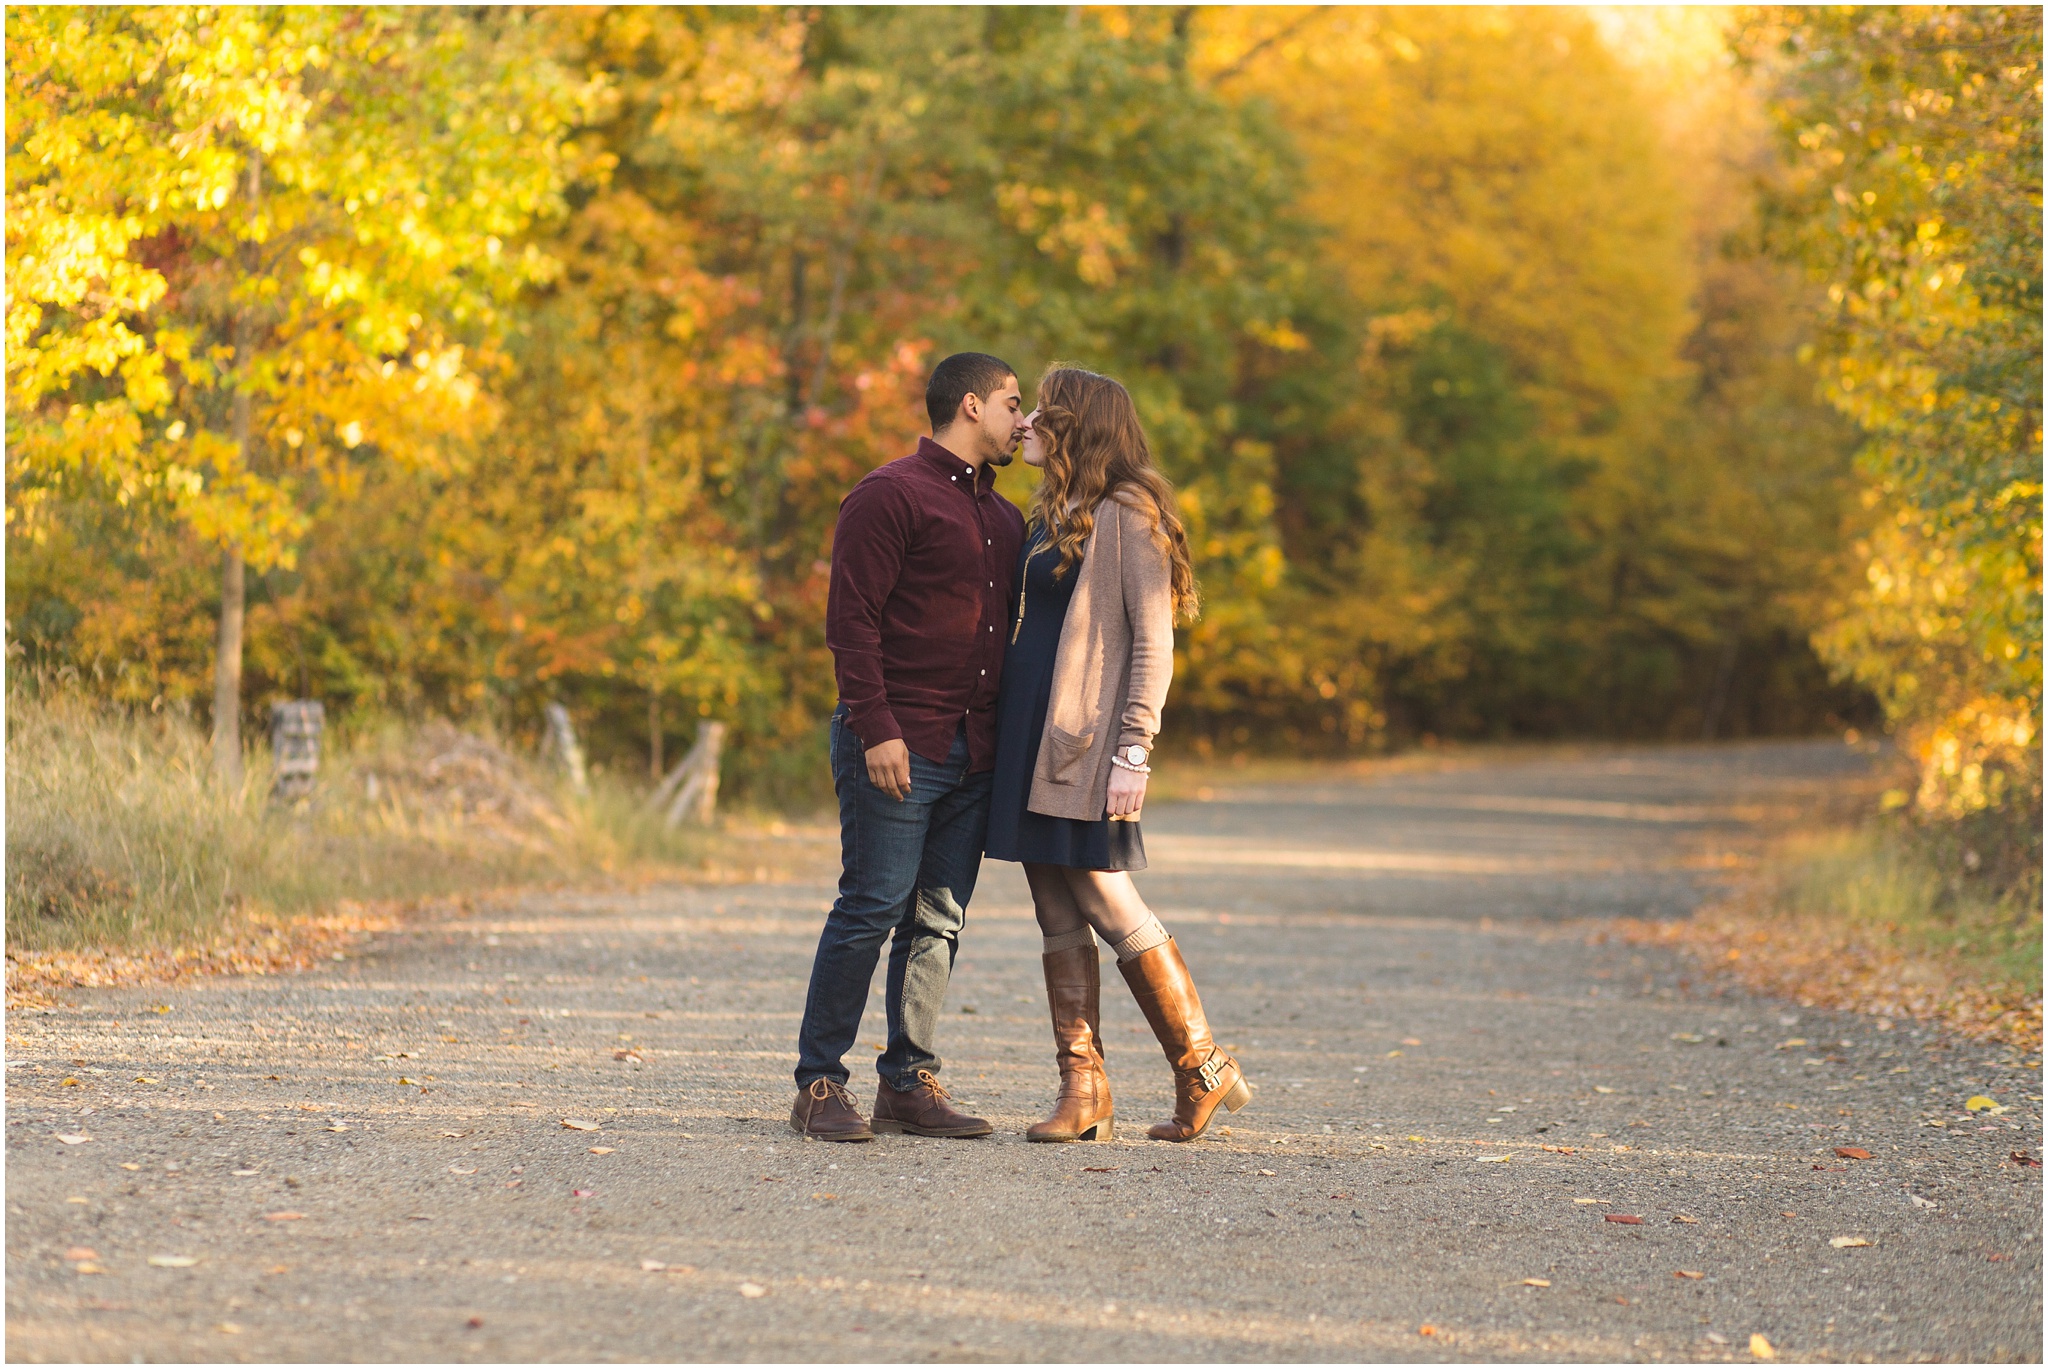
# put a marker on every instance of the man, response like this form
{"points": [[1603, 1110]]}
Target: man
{"points": [[924, 561]]}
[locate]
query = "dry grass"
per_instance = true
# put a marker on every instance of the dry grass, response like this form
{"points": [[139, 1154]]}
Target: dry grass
{"points": [[1890, 920], [127, 862]]}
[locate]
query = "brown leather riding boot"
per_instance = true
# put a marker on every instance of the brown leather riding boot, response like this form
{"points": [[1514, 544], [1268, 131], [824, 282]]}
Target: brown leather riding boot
{"points": [[1203, 1075], [922, 1110], [1073, 985]]}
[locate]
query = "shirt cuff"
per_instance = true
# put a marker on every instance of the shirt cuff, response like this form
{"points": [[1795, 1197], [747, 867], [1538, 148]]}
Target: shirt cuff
{"points": [[875, 726]]}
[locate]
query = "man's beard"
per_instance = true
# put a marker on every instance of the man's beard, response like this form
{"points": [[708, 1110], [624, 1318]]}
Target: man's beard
{"points": [[1002, 458]]}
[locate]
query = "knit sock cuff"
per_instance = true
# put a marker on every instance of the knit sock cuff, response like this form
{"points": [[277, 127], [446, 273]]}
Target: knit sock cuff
{"points": [[1068, 941], [1148, 935]]}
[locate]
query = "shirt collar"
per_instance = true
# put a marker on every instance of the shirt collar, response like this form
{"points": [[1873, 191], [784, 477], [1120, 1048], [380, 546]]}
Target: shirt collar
{"points": [[952, 465]]}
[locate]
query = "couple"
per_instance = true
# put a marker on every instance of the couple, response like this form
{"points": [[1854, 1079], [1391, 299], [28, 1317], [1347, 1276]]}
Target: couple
{"points": [[999, 689]]}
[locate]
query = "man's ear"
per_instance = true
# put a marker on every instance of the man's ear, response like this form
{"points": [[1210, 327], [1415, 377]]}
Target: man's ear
{"points": [[970, 407]]}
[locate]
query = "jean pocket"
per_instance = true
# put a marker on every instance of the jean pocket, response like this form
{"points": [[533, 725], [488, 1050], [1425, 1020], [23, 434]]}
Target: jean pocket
{"points": [[1066, 751]]}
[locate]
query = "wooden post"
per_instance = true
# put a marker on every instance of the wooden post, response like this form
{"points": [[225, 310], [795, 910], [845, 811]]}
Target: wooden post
{"points": [[691, 789], [562, 741], [295, 730]]}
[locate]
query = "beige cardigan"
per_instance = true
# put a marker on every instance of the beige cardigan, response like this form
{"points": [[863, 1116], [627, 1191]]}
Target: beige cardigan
{"points": [[1115, 661]]}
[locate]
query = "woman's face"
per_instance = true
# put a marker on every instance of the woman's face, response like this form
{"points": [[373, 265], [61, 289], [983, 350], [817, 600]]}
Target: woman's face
{"points": [[1034, 445]]}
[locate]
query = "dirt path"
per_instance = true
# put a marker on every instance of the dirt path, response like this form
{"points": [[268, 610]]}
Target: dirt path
{"points": [[370, 1162]]}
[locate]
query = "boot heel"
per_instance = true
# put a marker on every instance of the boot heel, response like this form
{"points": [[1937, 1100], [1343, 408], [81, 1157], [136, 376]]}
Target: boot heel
{"points": [[1103, 1130], [1240, 1094]]}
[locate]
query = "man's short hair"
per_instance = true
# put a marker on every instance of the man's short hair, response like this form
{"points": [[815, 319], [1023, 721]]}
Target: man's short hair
{"points": [[958, 376]]}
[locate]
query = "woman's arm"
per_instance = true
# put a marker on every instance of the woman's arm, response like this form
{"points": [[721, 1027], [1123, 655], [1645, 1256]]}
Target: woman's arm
{"points": [[1148, 605]]}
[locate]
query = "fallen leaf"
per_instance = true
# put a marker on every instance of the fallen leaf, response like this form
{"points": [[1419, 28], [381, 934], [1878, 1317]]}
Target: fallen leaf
{"points": [[1392, 1054], [475, 1322], [1410, 1041], [88, 1267], [630, 1057], [652, 1266], [338, 1126], [1688, 1221], [1980, 1103], [1602, 1088], [1761, 1347], [1098, 1169], [173, 1261], [1621, 1219], [1791, 1042], [1924, 1204], [1560, 1150], [752, 1290], [574, 1125], [1584, 1201], [81, 1252], [600, 1150], [1425, 1330], [413, 1083], [2020, 1157], [74, 1139], [229, 1328], [284, 1216], [1716, 1338], [70, 1084], [131, 1167], [1268, 1173], [1995, 1258], [311, 1107], [1418, 1138], [1491, 1159], [458, 1169], [1691, 1038], [1687, 1274], [1847, 1242], [1536, 1283], [144, 1079], [514, 1183], [1852, 1152], [245, 1173], [1788, 1214], [582, 1192]]}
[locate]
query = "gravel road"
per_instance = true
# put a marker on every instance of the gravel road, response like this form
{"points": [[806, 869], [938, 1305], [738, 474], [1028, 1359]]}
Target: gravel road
{"points": [[1484, 1129]]}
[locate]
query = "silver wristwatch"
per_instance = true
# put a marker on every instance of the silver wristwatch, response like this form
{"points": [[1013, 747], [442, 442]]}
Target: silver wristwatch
{"points": [[1135, 755]]}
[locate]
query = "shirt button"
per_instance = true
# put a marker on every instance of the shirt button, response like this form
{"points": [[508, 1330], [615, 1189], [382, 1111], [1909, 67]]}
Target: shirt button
{"points": [[984, 672], [953, 477]]}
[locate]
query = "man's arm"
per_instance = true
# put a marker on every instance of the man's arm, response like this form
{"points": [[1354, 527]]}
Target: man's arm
{"points": [[875, 525]]}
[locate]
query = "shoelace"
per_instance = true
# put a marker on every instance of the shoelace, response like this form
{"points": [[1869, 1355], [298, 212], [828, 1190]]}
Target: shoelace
{"points": [[824, 1089], [930, 1081]]}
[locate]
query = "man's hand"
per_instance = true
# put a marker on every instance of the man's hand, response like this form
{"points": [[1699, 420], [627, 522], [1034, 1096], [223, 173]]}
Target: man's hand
{"points": [[1126, 792], [889, 768]]}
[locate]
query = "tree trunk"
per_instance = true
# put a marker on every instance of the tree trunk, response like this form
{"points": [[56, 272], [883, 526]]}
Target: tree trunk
{"points": [[227, 672], [227, 650], [653, 734]]}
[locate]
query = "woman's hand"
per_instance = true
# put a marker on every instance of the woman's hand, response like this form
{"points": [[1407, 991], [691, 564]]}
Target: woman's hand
{"points": [[1126, 792]]}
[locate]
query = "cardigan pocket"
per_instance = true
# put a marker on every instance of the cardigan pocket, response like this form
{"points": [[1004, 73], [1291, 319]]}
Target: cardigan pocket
{"points": [[1067, 753]]}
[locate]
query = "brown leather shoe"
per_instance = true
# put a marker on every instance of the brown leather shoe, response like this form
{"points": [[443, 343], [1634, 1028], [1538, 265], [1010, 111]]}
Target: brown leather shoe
{"points": [[824, 1110], [923, 1111], [1203, 1075], [1073, 985]]}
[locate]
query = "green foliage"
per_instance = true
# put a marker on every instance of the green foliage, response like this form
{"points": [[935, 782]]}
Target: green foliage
{"points": [[1913, 190]]}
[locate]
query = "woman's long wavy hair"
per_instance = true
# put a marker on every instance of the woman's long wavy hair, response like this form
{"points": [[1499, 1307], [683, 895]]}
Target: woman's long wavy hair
{"points": [[1094, 447]]}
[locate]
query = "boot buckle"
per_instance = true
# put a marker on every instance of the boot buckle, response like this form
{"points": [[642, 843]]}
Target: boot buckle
{"points": [[1211, 1074]]}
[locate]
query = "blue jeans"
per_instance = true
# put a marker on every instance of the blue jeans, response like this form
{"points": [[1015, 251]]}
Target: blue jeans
{"points": [[907, 870]]}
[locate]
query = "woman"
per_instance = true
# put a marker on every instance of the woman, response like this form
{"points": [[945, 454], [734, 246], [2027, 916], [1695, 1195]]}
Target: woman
{"points": [[1104, 571]]}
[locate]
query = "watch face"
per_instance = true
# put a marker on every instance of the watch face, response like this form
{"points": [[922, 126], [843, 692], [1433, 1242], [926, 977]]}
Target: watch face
{"points": [[1135, 754]]}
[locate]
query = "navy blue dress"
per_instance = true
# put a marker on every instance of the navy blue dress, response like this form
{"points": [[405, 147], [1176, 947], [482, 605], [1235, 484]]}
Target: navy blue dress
{"points": [[1014, 831]]}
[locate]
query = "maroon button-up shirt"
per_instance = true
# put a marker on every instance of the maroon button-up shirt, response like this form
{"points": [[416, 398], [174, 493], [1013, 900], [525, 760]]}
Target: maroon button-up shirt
{"points": [[924, 566]]}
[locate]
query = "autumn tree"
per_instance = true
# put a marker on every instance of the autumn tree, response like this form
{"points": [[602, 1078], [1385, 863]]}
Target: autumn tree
{"points": [[253, 253], [1913, 191]]}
